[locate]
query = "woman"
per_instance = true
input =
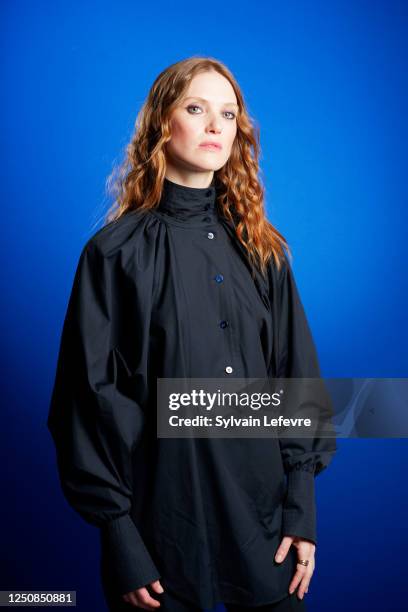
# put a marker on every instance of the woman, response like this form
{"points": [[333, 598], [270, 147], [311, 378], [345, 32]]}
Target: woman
{"points": [[187, 280]]}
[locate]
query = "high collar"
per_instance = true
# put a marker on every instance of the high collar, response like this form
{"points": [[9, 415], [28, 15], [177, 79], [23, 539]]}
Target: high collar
{"points": [[188, 204], [197, 207]]}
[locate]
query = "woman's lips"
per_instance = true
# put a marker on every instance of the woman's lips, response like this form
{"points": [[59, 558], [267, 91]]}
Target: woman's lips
{"points": [[210, 147]]}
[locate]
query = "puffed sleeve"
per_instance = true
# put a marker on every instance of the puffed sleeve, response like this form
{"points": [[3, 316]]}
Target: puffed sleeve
{"points": [[303, 458], [95, 421]]}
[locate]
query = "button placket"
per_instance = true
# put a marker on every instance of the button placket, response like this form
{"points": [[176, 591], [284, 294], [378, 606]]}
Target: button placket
{"points": [[228, 325], [224, 323]]}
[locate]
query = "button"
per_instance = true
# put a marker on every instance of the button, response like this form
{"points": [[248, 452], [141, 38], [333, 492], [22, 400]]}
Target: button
{"points": [[219, 278], [210, 235], [224, 324], [229, 370], [207, 219]]}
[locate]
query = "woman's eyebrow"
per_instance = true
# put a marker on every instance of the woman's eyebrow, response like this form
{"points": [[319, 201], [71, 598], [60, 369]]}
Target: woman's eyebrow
{"points": [[204, 100]]}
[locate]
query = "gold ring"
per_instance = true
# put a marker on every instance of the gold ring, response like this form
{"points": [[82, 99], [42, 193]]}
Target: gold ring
{"points": [[303, 562]]}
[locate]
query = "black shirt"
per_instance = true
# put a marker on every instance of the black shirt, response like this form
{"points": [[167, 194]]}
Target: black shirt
{"points": [[169, 293]]}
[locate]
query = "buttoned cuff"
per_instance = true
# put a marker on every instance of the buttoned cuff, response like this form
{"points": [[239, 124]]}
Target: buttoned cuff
{"points": [[130, 564], [299, 508]]}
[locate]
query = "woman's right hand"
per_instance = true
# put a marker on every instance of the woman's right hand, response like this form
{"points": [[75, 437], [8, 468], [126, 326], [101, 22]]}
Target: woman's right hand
{"points": [[141, 598]]}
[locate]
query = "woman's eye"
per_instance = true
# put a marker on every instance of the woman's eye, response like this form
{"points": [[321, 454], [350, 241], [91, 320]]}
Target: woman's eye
{"points": [[196, 106], [192, 106]]}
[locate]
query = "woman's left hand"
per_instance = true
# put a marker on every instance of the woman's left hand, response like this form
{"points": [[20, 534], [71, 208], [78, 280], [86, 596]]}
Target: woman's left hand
{"points": [[305, 550]]}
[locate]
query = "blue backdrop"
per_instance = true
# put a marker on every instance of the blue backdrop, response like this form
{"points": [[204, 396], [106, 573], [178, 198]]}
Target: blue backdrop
{"points": [[327, 83]]}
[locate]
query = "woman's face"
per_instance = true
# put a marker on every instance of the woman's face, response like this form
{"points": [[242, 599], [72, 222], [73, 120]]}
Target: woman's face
{"points": [[207, 113]]}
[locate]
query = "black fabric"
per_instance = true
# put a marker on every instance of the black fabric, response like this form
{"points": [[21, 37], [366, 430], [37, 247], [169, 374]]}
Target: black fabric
{"points": [[171, 602], [207, 515]]}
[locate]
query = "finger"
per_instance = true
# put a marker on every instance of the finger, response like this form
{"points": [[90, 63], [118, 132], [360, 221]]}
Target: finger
{"points": [[300, 573], [139, 604], [145, 599], [128, 599], [304, 584], [157, 587], [283, 549], [132, 599]]}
